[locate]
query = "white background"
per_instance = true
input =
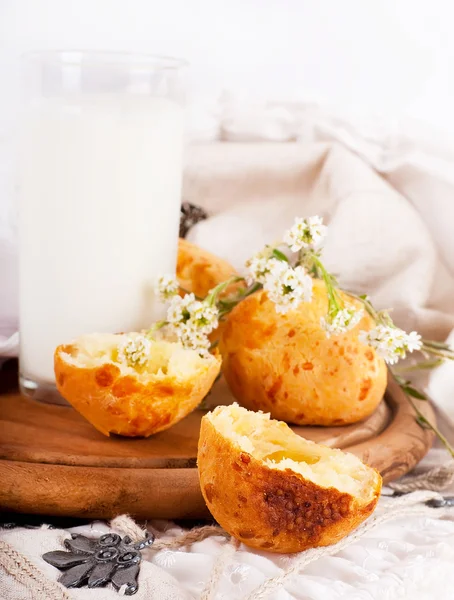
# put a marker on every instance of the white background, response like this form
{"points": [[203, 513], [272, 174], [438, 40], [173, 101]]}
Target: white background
{"points": [[390, 57]]}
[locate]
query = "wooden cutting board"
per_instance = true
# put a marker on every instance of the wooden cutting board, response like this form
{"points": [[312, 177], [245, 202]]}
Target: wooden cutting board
{"points": [[53, 462]]}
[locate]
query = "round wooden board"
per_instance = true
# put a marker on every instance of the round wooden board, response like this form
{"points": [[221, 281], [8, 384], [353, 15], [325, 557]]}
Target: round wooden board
{"points": [[53, 462]]}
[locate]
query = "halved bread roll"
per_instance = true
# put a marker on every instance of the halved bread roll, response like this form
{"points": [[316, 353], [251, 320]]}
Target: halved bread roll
{"points": [[132, 401], [276, 491]]}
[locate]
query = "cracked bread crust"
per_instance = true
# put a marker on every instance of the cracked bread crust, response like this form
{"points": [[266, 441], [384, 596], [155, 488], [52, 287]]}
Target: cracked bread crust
{"points": [[269, 509]]}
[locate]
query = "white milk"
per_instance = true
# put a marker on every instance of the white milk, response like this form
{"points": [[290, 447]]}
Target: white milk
{"points": [[100, 185]]}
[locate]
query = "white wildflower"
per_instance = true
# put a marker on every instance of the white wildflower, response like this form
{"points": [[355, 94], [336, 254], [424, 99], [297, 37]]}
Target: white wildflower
{"points": [[192, 313], [305, 233], [413, 341], [342, 321], [204, 316], [191, 321], [194, 339], [167, 287], [180, 309], [134, 350], [287, 287], [391, 343], [258, 267]]}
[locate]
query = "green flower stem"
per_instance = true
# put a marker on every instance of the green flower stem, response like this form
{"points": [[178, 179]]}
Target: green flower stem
{"points": [[367, 305], [155, 327], [424, 364], [422, 420], [442, 355], [439, 345], [381, 317], [439, 349], [334, 301], [252, 289], [212, 297], [227, 306]]}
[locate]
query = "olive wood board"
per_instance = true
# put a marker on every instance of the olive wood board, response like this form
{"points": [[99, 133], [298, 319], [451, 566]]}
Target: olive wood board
{"points": [[53, 462]]}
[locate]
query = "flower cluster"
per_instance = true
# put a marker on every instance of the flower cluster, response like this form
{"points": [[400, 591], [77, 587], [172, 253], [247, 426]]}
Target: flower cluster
{"points": [[344, 319], [287, 283], [134, 350], [192, 313], [167, 287], [287, 286], [391, 343], [286, 270], [305, 234], [259, 266], [192, 321]]}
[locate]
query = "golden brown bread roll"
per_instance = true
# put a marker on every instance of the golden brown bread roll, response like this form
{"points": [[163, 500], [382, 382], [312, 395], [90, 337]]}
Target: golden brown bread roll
{"points": [[285, 364], [198, 270], [117, 398], [276, 491]]}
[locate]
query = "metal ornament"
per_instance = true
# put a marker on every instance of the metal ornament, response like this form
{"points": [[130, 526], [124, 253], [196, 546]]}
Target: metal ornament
{"points": [[98, 562], [190, 215], [445, 502]]}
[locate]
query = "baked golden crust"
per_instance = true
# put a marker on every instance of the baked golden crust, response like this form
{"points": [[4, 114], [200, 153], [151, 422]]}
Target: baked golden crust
{"points": [[198, 270], [285, 364], [270, 509], [115, 402], [124, 404]]}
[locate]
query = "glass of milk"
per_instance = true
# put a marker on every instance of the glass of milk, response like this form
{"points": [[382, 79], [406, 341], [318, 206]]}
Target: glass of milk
{"points": [[100, 169]]}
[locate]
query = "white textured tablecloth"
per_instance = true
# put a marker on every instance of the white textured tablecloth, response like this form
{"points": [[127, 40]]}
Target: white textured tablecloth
{"points": [[405, 558], [388, 197]]}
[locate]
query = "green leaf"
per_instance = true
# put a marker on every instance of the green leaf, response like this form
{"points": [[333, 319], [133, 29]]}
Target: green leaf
{"points": [[411, 391], [400, 380], [423, 422], [279, 255]]}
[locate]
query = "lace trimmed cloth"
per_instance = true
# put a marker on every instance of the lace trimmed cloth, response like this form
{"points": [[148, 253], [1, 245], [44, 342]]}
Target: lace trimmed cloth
{"points": [[205, 563]]}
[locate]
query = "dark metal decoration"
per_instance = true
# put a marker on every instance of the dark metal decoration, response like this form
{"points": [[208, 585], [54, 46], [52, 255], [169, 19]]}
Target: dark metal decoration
{"points": [[190, 216], [98, 562], [441, 502]]}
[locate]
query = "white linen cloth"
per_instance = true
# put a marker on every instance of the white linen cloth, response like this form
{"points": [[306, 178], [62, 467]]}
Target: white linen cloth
{"points": [[377, 567], [387, 196]]}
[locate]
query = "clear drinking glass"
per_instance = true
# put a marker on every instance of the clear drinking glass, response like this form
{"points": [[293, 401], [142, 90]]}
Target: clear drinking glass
{"points": [[100, 171]]}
